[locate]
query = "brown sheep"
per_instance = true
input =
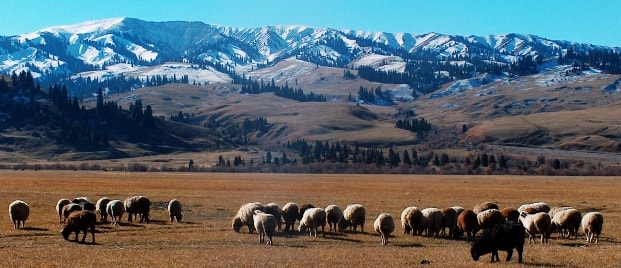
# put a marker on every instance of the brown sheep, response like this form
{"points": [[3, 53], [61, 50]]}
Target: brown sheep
{"points": [[68, 208], [449, 220], [77, 221], [480, 207], [467, 222], [489, 218], [510, 214]]}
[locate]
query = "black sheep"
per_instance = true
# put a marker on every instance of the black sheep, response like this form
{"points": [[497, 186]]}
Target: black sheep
{"points": [[80, 221], [505, 236]]}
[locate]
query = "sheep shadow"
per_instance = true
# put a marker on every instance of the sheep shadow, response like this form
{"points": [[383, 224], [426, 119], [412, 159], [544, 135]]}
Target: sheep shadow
{"points": [[343, 239], [538, 264], [572, 245], [409, 245], [34, 229]]}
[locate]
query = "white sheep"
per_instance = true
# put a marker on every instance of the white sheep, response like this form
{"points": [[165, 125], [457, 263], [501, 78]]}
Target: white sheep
{"points": [[432, 221], [59, 208], [19, 211], [592, 224], [290, 215], [384, 225], [334, 215], [274, 210], [412, 220], [174, 210], [312, 219], [538, 223], [480, 207], [115, 210], [244, 216], [533, 208], [265, 224], [567, 220], [353, 215], [557, 209], [101, 206], [490, 217]]}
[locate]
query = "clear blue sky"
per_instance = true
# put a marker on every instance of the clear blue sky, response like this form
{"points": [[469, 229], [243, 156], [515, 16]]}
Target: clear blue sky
{"points": [[597, 22]]}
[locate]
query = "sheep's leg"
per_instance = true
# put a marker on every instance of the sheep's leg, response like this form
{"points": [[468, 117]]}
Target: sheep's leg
{"points": [[85, 230], [93, 233], [509, 255]]}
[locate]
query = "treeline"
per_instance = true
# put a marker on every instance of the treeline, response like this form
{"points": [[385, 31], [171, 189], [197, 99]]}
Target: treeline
{"points": [[254, 87], [376, 96], [606, 60], [416, 125]]}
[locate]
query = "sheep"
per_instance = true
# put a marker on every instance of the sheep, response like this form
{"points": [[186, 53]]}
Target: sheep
{"points": [[174, 210], [353, 215], [449, 220], [384, 225], [333, 216], [569, 220], [556, 209], [265, 224], [534, 208], [80, 221], [88, 206], [303, 208], [68, 208], [503, 236], [115, 210], [274, 210], [538, 223], [102, 205], [467, 222], [510, 214], [290, 214], [59, 208], [411, 220], [490, 217], [139, 206], [81, 199], [19, 212], [244, 216], [592, 223], [311, 220], [432, 220], [480, 207], [458, 210]]}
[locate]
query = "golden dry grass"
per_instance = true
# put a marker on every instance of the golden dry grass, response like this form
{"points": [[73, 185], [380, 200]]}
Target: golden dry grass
{"points": [[205, 238]]}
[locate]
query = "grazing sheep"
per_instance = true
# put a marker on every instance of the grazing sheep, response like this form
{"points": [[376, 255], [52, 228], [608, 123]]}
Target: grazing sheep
{"points": [[334, 215], [538, 223], [59, 208], [303, 208], [567, 220], [115, 210], [534, 208], [312, 219], [88, 206], [490, 217], [68, 208], [510, 214], [449, 220], [244, 216], [458, 210], [353, 215], [504, 236], [290, 215], [102, 205], [140, 206], [412, 220], [80, 200], [432, 221], [384, 225], [556, 209], [274, 210], [467, 222], [480, 207], [80, 221], [174, 210], [265, 224], [19, 211], [592, 224]]}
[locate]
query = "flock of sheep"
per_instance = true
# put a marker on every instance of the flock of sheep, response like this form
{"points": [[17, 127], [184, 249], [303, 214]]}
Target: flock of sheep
{"points": [[528, 220], [499, 226], [80, 214]]}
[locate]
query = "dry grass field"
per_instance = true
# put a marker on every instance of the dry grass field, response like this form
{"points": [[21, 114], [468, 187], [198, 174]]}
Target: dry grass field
{"points": [[205, 237]]}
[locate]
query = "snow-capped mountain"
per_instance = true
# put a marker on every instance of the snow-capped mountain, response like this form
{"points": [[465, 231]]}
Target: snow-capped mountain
{"points": [[132, 46]]}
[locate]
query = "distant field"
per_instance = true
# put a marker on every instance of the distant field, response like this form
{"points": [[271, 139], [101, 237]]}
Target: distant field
{"points": [[205, 237]]}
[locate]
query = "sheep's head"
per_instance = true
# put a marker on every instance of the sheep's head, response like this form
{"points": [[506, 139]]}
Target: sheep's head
{"points": [[237, 224], [302, 228], [66, 231], [343, 224]]}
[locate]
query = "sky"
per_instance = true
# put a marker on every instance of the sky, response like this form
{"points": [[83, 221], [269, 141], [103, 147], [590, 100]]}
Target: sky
{"points": [[597, 22]]}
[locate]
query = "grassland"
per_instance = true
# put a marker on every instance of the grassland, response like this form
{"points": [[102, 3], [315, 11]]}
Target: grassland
{"points": [[205, 238]]}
